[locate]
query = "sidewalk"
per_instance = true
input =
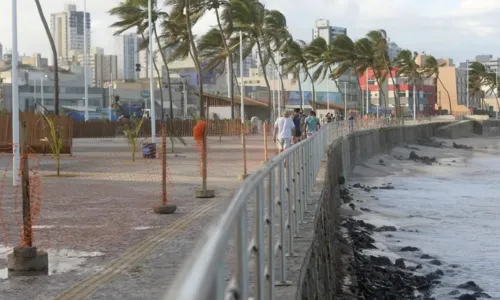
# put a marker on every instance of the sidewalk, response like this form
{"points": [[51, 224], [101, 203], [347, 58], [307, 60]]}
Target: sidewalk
{"points": [[98, 225]]}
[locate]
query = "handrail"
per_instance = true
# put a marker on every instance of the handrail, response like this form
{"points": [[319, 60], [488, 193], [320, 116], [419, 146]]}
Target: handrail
{"points": [[203, 274]]}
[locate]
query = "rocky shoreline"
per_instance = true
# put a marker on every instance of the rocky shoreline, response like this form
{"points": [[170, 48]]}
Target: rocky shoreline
{"points": [[377, 277]]}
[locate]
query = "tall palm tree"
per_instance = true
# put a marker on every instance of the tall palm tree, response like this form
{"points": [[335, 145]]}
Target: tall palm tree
{"points": [[431, 68], [493, 83], [249, 17], [54, 55], [477, 78], [134, 14], [408, 67], [367, 59], [347, 58], [294, 60], [381, 46], [320, 57]]}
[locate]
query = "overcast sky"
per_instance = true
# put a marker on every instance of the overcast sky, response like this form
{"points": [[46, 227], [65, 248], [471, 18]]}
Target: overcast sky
{"points": [[458, 29]]}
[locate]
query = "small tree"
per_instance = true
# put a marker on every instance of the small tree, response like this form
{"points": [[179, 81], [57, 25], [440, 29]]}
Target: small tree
{"points": [[54, 139], [132, 131]]}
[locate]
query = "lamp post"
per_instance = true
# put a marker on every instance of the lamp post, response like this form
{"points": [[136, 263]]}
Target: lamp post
{"points": [[85, 62], [16, 163], [467, 86], [151, 87], [345, 100]]}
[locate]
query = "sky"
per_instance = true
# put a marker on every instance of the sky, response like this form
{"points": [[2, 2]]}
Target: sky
{"points": [[459, 29]]}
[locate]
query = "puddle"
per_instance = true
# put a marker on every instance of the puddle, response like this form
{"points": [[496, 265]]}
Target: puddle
{"points": [[144, 227], [60, 261]]}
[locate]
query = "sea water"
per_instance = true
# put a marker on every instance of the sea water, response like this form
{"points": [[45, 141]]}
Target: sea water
{"points": [[450, 212]]}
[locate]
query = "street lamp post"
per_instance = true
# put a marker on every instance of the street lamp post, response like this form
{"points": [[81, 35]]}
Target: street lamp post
{"points": [[16, 163], [151, 87], [345, 100], [467, 87], [85, 62]]}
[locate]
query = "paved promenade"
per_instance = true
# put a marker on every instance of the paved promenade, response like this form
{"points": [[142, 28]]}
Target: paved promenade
{"points": [[97, 221]]}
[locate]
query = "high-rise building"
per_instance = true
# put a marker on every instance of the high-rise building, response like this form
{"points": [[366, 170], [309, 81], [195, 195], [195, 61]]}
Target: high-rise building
{"points": [[127, 50], [393, 50], [36, 60], [101, 67], [68, 31], [323, 29], [1, 51]]}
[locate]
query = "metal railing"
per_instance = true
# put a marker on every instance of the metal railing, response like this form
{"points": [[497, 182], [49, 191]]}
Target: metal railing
{"points": [[272, 201]]}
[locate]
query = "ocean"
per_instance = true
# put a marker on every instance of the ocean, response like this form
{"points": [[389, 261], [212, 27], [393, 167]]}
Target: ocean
{"points": [[451, 211]]}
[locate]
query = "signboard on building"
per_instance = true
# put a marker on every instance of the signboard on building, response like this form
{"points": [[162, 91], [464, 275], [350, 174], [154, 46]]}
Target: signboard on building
{"points": [[145, 94]]}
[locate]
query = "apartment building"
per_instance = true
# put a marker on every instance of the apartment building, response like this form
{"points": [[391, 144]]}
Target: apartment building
{"points": [[68, 31]]}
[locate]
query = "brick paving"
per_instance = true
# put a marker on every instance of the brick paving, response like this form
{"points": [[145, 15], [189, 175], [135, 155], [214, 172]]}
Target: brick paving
{"points": [[97, 220]]}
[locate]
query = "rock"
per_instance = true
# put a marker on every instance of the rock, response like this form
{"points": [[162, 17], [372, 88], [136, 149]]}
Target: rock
{"points": [[352, 206], [386, 187], [454, 266], [428, 142], [424, 159], [467, 297], [461, 146], [418, 267], [341, 180], [454, 293], [413, 156], [385, 228], [400, 263], [426, 256], [409, 249], [481, 295], [434, 275], [471, 286], [381, 162], [365, 209], [366, 189], [357, 185], [435, 262], [380, 260]]}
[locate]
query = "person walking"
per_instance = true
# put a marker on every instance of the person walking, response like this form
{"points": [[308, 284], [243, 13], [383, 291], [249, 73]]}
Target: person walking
{"points": [[284, 130], [297, 118], [312, 124]]}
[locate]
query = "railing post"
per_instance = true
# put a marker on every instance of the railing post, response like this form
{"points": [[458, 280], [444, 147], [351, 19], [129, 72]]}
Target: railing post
{"points": [[270, 243], [291, 214], [242, 254], [296, 194], [281, 205], [259, 246]]}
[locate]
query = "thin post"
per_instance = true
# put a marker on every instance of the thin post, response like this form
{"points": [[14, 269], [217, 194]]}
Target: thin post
{"points": [[204, 158], [467, 86], [85, 62], [243, 142], [151, 77], [15, 99], [271, 235], [27, 225], [164, 164], [265, 141]]}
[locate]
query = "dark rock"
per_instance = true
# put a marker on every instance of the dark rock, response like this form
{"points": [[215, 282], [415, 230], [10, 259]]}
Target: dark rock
{"points": [[341, 180], [385, 228], [434, 275], [435, 262], [409, 249], [380, 260], [426, 256], [454, 293], [352, 206], [400, 263], [461, 146], [386, 187], [365, 209], [428, 142], [423, 159], [418, 267], [454, 266], [466, 297], [366, 189], [471, 286], [389, 235], [481, 295], [381, 162], [357, 185]]}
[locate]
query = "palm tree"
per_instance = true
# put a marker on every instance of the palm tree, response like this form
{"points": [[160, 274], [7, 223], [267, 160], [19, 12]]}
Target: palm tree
{"points": [[294, 60], [407, 67], [477, 78], [492, 81], [133, 14], [380, 46], [54, 56], [249, 16], [320, 56], [367, 59], [431, 68]]}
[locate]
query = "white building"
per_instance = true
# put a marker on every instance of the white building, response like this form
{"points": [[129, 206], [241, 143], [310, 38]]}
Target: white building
{"points": [[67, 31], [127, 51], [328, 33]]}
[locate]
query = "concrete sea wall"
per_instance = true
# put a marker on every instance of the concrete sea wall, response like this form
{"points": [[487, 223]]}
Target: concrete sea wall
{"points": [[321, 271]]}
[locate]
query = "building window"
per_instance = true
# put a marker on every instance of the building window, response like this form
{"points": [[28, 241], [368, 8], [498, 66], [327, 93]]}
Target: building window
{"points": [[371, 81]]}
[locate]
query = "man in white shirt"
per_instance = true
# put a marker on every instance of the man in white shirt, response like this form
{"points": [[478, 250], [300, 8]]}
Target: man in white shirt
{"points": [[284, 129]]}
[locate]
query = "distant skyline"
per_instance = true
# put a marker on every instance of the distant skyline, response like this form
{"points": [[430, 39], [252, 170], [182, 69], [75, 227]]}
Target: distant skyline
{"points": [[459, 29]]}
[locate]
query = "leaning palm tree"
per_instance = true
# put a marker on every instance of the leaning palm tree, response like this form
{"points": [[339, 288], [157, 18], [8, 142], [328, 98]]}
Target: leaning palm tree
{"points": [[408, 67], [294, 61], [249, 17], [54, 56], [477, 79], [431, 69], [492, 82], [133, 14], [367, 59], [347, 59], [380, 43]]}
